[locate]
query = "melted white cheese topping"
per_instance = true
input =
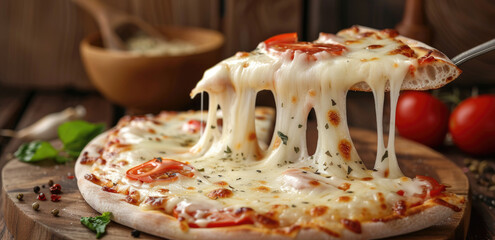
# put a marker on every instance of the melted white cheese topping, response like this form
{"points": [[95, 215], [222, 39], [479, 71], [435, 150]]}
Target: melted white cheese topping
{"points": [[282, 177]]}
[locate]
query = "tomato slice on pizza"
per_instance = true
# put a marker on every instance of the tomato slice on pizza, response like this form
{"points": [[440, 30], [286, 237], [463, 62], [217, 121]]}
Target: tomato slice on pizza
{"points": [[160, 170]]}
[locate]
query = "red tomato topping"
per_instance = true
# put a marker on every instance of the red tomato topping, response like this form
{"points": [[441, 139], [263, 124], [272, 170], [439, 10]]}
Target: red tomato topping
{"points": [[193, 126], [400, 193], [282, 38], [158, 169], [224, 217], [436, 188], [288, 42]]}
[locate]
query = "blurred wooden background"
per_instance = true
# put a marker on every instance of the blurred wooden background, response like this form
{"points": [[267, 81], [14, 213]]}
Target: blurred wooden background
{"points": [[39, 40]]}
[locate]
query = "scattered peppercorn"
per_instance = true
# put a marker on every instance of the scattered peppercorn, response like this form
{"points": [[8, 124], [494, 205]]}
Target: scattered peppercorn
{"points": [[50, 183], [55, 197], [36, 189], [70, 177], [20, 196], [135, 233], [42, 197], [43, 186], [36, 206], [56, 189], [55, 212]]}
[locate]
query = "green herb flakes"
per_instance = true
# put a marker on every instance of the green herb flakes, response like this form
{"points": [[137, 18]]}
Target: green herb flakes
{"points": [[283, 137], [385, 156]]}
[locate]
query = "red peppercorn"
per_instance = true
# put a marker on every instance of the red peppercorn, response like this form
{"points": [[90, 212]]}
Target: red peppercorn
{"points": [[70, 177], [55, 198], [56, 189], [42, 197]]}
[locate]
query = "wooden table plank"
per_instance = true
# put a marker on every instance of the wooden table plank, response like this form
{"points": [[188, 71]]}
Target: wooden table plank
{"points": [[42, 103], [11, 103]]}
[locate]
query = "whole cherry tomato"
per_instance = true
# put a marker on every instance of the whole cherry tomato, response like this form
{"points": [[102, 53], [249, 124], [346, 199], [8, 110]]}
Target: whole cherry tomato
{"points": [[472, 125], [422, 118]]}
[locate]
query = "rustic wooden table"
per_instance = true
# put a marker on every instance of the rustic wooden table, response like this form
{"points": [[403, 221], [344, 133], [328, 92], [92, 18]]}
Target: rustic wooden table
{"points": [[20, 108]]}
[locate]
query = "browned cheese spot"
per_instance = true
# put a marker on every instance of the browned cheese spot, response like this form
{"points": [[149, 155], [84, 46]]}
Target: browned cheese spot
{"points": [[294, 99], [252, 136], [404, 50], [242, 54], [369, 59], [277, 142], [220, 193], [245, 65], [151, 130], [312, 93], [333, 117], [266, 221], [352, 225], [381, 199], [314, 183], [345, 149], [262, 189], [222, 183], [374, 46], [156, 202], [367, 179], [344, 199], [318, 211], [386, 173], [344, 186]]}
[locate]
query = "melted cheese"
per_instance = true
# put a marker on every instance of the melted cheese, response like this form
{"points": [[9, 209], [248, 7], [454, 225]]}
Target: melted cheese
{"points": [[275, 176]]}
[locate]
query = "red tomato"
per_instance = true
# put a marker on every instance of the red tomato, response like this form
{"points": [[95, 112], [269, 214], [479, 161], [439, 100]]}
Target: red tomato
{"points": [[288, 41], [422, 118], [472, 125], [224, 217], [436, 188], [193, 126], [282, 38], [159, 169]]}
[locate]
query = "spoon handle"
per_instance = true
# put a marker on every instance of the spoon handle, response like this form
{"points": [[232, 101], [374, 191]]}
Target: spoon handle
{"points": [[474, 52]]}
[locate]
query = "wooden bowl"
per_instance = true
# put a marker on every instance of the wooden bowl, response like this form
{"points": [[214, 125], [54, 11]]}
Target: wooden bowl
{"points": [[151, 83]]}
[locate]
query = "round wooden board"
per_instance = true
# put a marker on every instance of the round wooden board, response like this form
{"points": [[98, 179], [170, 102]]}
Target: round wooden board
{"points": [[25, 223]]}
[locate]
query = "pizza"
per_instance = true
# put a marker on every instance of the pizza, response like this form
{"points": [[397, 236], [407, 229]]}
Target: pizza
{"points": [[239, 171]]}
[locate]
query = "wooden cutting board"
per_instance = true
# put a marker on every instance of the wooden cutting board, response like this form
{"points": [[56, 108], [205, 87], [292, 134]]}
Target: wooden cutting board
{"points": [[25, 223]]}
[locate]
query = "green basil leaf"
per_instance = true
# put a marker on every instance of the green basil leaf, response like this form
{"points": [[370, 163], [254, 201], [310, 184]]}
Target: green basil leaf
{"points": [[97, 224], [76, 134], [62, 159], [35, 151]]}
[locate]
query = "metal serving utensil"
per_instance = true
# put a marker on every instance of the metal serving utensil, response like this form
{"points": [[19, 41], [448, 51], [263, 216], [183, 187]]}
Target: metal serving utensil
{"points": [[474, 52]]}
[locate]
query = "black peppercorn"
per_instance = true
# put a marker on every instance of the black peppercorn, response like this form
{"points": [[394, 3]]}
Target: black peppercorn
{"points": [[50, 183], [135, 233], [36, 189]]}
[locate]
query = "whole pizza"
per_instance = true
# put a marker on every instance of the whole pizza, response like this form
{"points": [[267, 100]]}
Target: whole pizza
{"points": [[238, 171]]}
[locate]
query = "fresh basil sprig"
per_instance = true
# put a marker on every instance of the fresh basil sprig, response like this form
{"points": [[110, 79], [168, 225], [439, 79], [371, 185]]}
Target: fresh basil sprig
{"points": [[97, 224], [74, 136]]}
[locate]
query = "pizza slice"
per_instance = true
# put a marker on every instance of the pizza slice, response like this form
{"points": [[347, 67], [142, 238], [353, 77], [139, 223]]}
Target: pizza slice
{"points": [[175, 176]]}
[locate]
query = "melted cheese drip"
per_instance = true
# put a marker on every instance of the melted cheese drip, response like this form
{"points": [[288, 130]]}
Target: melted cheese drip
{"points": [[282, 177]]}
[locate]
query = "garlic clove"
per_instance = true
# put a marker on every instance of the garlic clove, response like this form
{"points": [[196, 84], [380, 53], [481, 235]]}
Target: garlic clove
{"points": [[46, 127]]}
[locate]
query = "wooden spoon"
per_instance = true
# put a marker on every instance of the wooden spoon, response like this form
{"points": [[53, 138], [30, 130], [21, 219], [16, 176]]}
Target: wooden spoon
{"points": [[116, 26]]}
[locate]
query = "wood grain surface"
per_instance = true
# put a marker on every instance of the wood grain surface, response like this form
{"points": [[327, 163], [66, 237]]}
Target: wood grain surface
{"points": [[19, 177]]}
